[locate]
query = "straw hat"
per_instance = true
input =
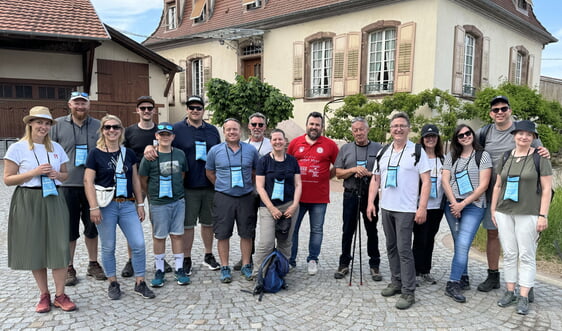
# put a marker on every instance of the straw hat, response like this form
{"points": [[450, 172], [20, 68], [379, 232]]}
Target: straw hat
{"points": [[39, 112]]}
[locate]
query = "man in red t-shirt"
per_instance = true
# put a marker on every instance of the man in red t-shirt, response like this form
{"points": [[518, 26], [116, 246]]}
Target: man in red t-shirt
{"points": [[315, 154]]}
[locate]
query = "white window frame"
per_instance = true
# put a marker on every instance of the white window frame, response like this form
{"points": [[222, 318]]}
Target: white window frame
{"points": [[171, 17], [519, 68], [468, 64], [381, 61], [197, 77], [321, 52]]}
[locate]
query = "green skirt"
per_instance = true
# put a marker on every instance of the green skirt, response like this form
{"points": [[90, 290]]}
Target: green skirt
{"points": [[38, 231]]}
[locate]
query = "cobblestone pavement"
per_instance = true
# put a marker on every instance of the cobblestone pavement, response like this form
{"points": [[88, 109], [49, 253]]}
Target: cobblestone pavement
{"points": [[311, 303]]}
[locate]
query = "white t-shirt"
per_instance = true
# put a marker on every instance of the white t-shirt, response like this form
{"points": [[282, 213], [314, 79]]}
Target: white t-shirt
{"points": [[436, 169], [403, 197], [263, 147], [27, 159]]}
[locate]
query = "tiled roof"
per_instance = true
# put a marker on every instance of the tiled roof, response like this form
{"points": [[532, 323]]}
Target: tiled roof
{"points": [[68, 18]]}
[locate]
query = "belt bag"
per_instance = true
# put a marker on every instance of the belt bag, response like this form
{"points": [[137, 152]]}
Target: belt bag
{"points": [[104, 195]]}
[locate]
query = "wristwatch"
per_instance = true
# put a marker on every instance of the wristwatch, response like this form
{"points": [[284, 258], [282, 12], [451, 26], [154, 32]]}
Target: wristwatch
{"points": [[543, 215]]}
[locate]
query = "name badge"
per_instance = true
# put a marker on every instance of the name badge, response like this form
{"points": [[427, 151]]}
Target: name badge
{"points": [[80, 155], [392, 176], [48, 186], [201, 150], [433, 191], [362, 164], [512, 189], [236, 177], [463, 182], [121, 185], [278, 189], [165, 187]]}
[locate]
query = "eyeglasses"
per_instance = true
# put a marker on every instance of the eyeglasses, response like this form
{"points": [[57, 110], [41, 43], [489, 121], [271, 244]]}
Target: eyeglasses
{"points": [[502, 109], [195, 107], [108, 127], [257, 124], [149, 108], [79, 94], [464, 134], [399, 126], [164, 127]]}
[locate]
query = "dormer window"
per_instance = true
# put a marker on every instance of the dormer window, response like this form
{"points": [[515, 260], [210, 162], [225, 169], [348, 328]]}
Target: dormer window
{"points": [[252, 4], [522, 6], [171, 17], [199, 12]]}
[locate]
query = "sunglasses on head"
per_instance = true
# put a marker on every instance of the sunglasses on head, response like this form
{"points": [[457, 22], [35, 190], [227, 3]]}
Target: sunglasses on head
{"points": [[79, 94], [257, 124], [464, 134], [502, 109], [114, 127], [195, 107], [164, 127], [149, 108]]}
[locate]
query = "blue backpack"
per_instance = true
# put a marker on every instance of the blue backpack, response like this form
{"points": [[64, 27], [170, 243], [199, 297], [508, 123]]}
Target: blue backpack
{"points": [[271, 274]]}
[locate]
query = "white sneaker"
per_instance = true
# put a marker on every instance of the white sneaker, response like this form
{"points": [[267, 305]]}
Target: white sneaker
{"points": [[312, 267]]}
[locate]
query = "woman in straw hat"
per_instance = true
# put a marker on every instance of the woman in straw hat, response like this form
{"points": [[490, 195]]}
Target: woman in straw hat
{"points": [[38, 219]]}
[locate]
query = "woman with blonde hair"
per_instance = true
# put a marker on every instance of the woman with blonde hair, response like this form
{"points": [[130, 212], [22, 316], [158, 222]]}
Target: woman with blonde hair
{"points": [[38, 222], [110, 164]]}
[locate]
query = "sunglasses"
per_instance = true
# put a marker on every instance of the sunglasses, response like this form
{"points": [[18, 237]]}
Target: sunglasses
{"points": [[464, 134], [502, 109], [164, 127], [149, 108], [257, 124], [79, 94], [114, 127], [195, 107]]}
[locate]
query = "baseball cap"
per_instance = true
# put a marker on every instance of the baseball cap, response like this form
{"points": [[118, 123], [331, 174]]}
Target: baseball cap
{"points": [[146, 98], [429, 129], [79, 95], [165, 127], [499, 98], [195, 99]]}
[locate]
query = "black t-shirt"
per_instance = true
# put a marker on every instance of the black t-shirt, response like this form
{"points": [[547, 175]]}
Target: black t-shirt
{"points": [[272, 170], [137, 139], [104, 163]]}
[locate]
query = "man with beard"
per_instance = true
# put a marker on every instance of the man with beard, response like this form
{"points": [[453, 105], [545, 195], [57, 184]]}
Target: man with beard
{"points": [[77, 133], [315, 153]]}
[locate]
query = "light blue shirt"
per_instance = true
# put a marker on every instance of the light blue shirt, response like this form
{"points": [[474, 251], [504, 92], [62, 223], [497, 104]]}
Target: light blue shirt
{"points": [[221, 158]]}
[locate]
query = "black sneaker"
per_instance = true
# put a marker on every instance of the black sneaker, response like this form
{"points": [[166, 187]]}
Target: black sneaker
{"points": [[128, 270], [187, 265], [238, 266], [453, 290], [167, 267], [210, 262], [143, 290], [114, 291], [341, 272]]}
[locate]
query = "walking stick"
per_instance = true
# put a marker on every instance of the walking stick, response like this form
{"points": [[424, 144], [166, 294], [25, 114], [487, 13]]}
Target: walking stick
{"points": [[357, 233]]}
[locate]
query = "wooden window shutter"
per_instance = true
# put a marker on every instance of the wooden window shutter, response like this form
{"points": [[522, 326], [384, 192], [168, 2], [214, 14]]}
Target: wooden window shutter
{"points": [[530, 71], [183, 78], [485, 78], [298, 69], [340, 43], [512, 64], [405, 57], [353, 63], [458, 60], [207, 73]]}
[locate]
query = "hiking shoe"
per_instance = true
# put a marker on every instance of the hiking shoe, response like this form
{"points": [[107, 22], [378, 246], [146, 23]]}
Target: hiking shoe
{"points": [[391, 290], [96, 271], [210, 262], [128, 270], [114, 291], [523, 306], [143, 290], [71, 278], [247, 272], [63, 302], [187, 268], [158, 280], [491, 282], [181, 277], [405, 301], [376, 274], [427, 278], [167, 267], [465, 283], [226, 277], [509, 298], [44, 304], [238, 266], [341, 272], [312, 267], [531, 295], [453, 290]]}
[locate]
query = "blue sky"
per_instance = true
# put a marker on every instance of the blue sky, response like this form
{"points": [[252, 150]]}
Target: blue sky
{"points": [[138, 19]]}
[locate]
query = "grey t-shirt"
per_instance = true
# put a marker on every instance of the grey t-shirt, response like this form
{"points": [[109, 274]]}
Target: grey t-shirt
{"points": [[348, 156], [470, 165], [263, 147]]}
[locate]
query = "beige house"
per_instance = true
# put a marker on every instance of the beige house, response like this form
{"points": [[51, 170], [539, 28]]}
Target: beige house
{"points": [[320, 50]]}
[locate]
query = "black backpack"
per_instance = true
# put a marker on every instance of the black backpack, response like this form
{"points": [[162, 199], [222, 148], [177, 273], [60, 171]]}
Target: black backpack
{"points": [[417, 154], [537, 162]]}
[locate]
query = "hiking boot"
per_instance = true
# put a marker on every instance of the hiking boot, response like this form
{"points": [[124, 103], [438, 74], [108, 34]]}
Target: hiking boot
{"points": [[63, 302], [167, 267], [143, 290], [509, 298], [210, 262], [523, 306], [181, 277], [114, 291], [128, 269], [376, 275], [238, 266], [71, 278], [96, 271], [453, 290], [531, 295], [428, 279], [341, 272], [247, 271], [44, 304], [158, 280], [391, 290], [465, 283], [187, 268], [312, 267], [492, 282], [226, 276], [405, 301]]}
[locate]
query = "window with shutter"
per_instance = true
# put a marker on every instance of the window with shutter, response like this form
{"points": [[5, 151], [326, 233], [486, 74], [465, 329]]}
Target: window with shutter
{"points": [[468, 59], [298, 69], [518, 65]]}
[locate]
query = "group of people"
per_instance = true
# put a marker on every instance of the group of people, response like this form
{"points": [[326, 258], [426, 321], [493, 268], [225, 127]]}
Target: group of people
{"points": [[189, 176]]}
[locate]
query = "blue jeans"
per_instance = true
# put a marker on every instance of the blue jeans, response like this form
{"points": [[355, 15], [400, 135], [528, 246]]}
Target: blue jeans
{"points": [[463, 235], [125, 215], [316, 213]]}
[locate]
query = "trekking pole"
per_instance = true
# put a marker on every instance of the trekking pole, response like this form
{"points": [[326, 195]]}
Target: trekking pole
{"points": [[357, 232]]}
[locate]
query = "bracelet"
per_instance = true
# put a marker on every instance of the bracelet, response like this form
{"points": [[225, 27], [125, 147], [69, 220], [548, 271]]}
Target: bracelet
{"points": [[140, 204], [98, 207], [543, 215]]}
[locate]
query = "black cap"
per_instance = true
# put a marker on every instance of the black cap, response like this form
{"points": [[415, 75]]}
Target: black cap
{"points": [[526, 126], [146, 98], [499, 98], [195, 99], [429, 129], [165, 127]]}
